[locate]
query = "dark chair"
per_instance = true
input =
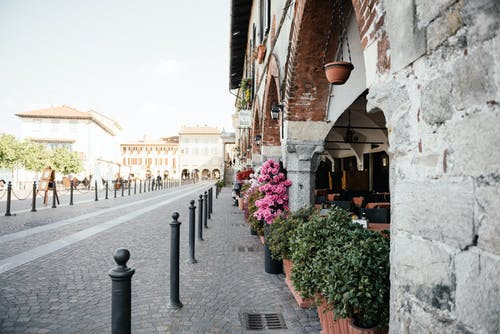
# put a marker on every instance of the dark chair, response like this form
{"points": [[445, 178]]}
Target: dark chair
{"points": [[320, 200], [376, 215], [346, 205]]}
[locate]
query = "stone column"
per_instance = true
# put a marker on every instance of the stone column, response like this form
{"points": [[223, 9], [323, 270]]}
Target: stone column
{"points": [[301, 161]]}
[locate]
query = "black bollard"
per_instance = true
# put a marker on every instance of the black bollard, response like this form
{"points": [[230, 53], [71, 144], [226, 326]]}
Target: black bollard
{"points": [[128, 183], [192, 209], [140, 186], [106, 184], [149, 185], [122, 185], [153, 185], [175, 303], [210, 203], [9, 194], [200, 218], [135, 187], [95, 186], [216, 192], [115, 188], [121, 296], [33, 201], [71, 193], [54, 194], [205, 209]]}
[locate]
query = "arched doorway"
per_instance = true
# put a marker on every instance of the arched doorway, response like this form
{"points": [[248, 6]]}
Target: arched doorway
{"points": [[205, 174], [358, 143], [185, 174], [195, 174], [216, 174]]}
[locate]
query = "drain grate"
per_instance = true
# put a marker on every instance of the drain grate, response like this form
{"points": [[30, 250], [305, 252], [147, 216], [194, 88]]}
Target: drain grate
{"points": [[260, 321], [243, 249], [239, 225]]}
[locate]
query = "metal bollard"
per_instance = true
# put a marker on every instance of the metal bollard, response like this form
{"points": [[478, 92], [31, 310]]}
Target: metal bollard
{"points": [[9, 194], [123, 187], [128, 186], [153, 184], [54, 194], [149, 185], [175, 303], [135, 187], [140, 186], [107, 190], [115, 188], [205, 209], [200, 218], [71, 193], [33, 201], [121, 297], [95, 186], [210, 203], [192, 209]]}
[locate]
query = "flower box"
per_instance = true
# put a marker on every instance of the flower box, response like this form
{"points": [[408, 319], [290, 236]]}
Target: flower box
{"points": [[301, 301], [328, 323]]}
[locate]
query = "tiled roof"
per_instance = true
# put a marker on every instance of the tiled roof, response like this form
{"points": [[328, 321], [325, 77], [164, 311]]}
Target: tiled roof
{"points": [[66, 112], [199, 130]]}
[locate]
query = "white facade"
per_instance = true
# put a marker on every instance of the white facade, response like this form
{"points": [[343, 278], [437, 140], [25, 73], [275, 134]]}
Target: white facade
{"points": [[201, 152], [93, 136]]}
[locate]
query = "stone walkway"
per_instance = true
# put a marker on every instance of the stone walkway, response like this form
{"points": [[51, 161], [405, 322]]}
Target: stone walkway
{"points": [[68, 290]]}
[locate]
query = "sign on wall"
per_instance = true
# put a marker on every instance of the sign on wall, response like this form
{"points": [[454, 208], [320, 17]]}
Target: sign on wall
{"points": [[245, 118]]}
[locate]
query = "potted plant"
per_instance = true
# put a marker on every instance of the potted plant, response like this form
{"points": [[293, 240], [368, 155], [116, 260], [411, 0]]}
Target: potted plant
{"points": [[338, 72], [273, 205], [358, 283], [280, 233], [245, 101], [311, 245], [251, 196]]}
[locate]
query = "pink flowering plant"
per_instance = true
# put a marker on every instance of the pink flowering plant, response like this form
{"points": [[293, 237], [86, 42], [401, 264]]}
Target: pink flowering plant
{"points": [[274, 185]]}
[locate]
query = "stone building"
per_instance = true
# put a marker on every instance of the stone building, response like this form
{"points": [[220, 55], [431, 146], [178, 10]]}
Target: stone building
{"points": [[92, 135], [150, 157], [423, 99], [201, 152]]}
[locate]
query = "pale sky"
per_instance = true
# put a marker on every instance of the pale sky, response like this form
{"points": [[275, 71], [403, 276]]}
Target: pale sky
{"points": [[152, 65]]}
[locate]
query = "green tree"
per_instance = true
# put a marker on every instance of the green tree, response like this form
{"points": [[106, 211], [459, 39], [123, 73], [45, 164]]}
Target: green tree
{"points": [[35, 156], [11, 152], [65, 161]]}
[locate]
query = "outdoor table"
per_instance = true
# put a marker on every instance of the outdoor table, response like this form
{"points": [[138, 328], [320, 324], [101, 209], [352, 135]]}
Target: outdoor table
{"points": [[386, 205]]}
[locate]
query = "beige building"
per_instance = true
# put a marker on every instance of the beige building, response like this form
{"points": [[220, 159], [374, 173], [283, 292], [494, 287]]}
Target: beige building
{"points": [[92, 135], [147, 157], [201, 152]]}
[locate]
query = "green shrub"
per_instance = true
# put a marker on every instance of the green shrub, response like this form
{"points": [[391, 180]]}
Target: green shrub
{"points": [[250, 208], [282, 229], [308, 243], [357, 277], [220, 183]]}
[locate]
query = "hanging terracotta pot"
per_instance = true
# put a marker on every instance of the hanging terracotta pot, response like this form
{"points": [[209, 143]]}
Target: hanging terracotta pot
{"points": [[261, 53], [338, 72]]}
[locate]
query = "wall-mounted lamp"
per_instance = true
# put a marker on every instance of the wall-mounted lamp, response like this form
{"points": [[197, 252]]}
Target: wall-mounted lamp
{"points": [[384, 162], [275, 111], [258, 139], [249, 148]]}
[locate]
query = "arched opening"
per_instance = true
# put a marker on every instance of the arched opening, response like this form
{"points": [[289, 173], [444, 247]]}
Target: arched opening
{"points": [[195, 174], [216, 174], [185, 174], [358, 179], [205, 174]]}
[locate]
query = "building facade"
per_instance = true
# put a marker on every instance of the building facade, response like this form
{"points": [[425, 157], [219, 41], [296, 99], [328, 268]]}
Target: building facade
{"points": [[420, 107], [149, 157], [201, 152], [92, 135]]}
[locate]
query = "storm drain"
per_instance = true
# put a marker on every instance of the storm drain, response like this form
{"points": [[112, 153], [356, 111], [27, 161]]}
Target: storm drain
{"points": [[239, 225], [261, 321], [243, 249]]}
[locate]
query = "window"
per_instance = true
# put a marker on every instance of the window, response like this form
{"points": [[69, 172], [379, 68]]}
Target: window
{"points": [[264, 18]]}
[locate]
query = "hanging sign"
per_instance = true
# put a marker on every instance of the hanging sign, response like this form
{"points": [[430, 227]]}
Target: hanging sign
{"points": [[245, 118]]}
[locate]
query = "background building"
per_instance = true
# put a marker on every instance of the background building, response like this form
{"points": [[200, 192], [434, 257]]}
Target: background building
{"points": [[148, 157], [201, 152], [92, 135]]}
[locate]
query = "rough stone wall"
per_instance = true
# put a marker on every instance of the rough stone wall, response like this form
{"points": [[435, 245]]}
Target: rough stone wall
{"points": [[441, 102]]}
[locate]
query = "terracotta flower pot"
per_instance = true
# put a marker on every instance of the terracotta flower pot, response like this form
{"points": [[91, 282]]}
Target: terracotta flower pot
{"points": [[301, 301], [328, 323], [261, 53], [338, 72], [240, 203], [262, 239], [353, 329]]}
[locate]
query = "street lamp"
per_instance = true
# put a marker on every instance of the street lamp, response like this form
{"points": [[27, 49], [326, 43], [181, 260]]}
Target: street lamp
{"points": [[275, 111], [258, 139]]}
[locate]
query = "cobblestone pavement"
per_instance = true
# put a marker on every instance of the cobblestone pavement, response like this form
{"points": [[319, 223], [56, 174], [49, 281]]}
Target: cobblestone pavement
{"points": [[69, 291]]}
